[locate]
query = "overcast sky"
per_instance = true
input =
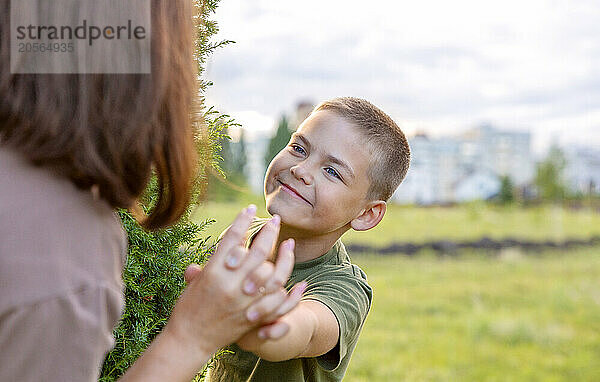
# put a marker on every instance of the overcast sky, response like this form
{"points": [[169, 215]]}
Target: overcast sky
{"points": [[434, 66]]}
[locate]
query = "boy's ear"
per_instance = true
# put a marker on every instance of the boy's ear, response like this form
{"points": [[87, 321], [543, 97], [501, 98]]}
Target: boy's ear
{"points": [[370, 217]]}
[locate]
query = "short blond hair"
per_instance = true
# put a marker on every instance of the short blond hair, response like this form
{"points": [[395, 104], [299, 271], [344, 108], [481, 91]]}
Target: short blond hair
{"points": [[390, 153]]}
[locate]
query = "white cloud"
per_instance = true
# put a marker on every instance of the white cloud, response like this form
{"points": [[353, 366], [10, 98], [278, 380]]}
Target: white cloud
{"points": [[253, 123], [432, 65]]}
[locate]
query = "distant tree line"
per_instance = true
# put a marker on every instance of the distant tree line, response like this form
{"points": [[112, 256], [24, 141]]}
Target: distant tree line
{"points": [[230, 183], [279, 140], [550, 183]]}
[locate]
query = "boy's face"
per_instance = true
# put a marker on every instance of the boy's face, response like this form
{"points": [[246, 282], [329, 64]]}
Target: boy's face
{"points": [[319, 181]]}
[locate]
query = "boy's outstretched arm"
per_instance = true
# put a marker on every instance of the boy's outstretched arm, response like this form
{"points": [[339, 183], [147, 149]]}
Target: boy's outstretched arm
{"points": [[313, 332]]}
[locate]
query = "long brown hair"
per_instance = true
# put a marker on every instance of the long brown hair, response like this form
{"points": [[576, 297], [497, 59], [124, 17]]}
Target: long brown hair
{"points": [[109, 130]]}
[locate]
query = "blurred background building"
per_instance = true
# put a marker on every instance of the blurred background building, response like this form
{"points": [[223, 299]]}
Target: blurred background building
{"points": [[452, 169], [466, 167], [583, 169]]}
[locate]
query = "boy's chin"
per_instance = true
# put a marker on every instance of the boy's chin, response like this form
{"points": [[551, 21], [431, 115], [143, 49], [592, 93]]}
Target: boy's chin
{"points": [[283, 213], [273, 209]]}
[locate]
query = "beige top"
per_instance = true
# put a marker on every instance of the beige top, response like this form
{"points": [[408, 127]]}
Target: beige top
{"points": [[61, 256]]}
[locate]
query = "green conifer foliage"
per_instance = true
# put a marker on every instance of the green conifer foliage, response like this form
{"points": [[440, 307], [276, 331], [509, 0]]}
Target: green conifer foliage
{"points": [[153, 278]]}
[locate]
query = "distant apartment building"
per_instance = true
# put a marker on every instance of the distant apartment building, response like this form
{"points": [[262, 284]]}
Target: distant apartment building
{"points": [[503, 153], [433, 170], [465, 167], [582, 172]]}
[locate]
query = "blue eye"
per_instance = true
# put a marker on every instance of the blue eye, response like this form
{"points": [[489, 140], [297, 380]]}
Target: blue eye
{"points": [[332, 172], [298, 149]]}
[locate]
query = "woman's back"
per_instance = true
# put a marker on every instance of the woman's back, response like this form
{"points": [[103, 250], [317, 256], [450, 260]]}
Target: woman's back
{"points": [[61, 256]]}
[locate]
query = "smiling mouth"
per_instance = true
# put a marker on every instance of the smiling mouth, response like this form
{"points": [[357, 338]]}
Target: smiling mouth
{"points": [[292, 192]]}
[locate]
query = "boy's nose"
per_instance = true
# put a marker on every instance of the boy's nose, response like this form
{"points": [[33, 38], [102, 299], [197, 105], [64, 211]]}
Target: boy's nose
{"points": [[300, 172]]}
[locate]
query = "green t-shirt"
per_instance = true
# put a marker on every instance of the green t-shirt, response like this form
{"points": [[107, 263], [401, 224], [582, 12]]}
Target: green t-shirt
{"points": [[334, 281]]}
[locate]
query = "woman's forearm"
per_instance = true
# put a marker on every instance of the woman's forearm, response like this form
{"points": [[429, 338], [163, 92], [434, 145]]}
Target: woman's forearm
{"points": [[212, 310], [169, 358]]}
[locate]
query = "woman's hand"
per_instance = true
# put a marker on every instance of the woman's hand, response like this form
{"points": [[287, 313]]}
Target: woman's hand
{"points": [[215, 308], [214, 311], [267, 280]]}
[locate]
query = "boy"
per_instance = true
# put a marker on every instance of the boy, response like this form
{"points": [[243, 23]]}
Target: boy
{"points": [[336, 174]]}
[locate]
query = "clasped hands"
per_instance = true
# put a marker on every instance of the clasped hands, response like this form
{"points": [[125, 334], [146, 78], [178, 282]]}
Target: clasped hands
{"points": [[239, 289]]}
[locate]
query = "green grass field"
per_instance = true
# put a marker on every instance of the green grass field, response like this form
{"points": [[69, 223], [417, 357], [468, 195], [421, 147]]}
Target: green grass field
{"points": [[478, 318], [474, 317], [415, 224]]}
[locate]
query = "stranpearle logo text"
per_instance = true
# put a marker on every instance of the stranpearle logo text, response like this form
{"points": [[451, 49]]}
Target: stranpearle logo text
{"points": [[91, 33]]}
